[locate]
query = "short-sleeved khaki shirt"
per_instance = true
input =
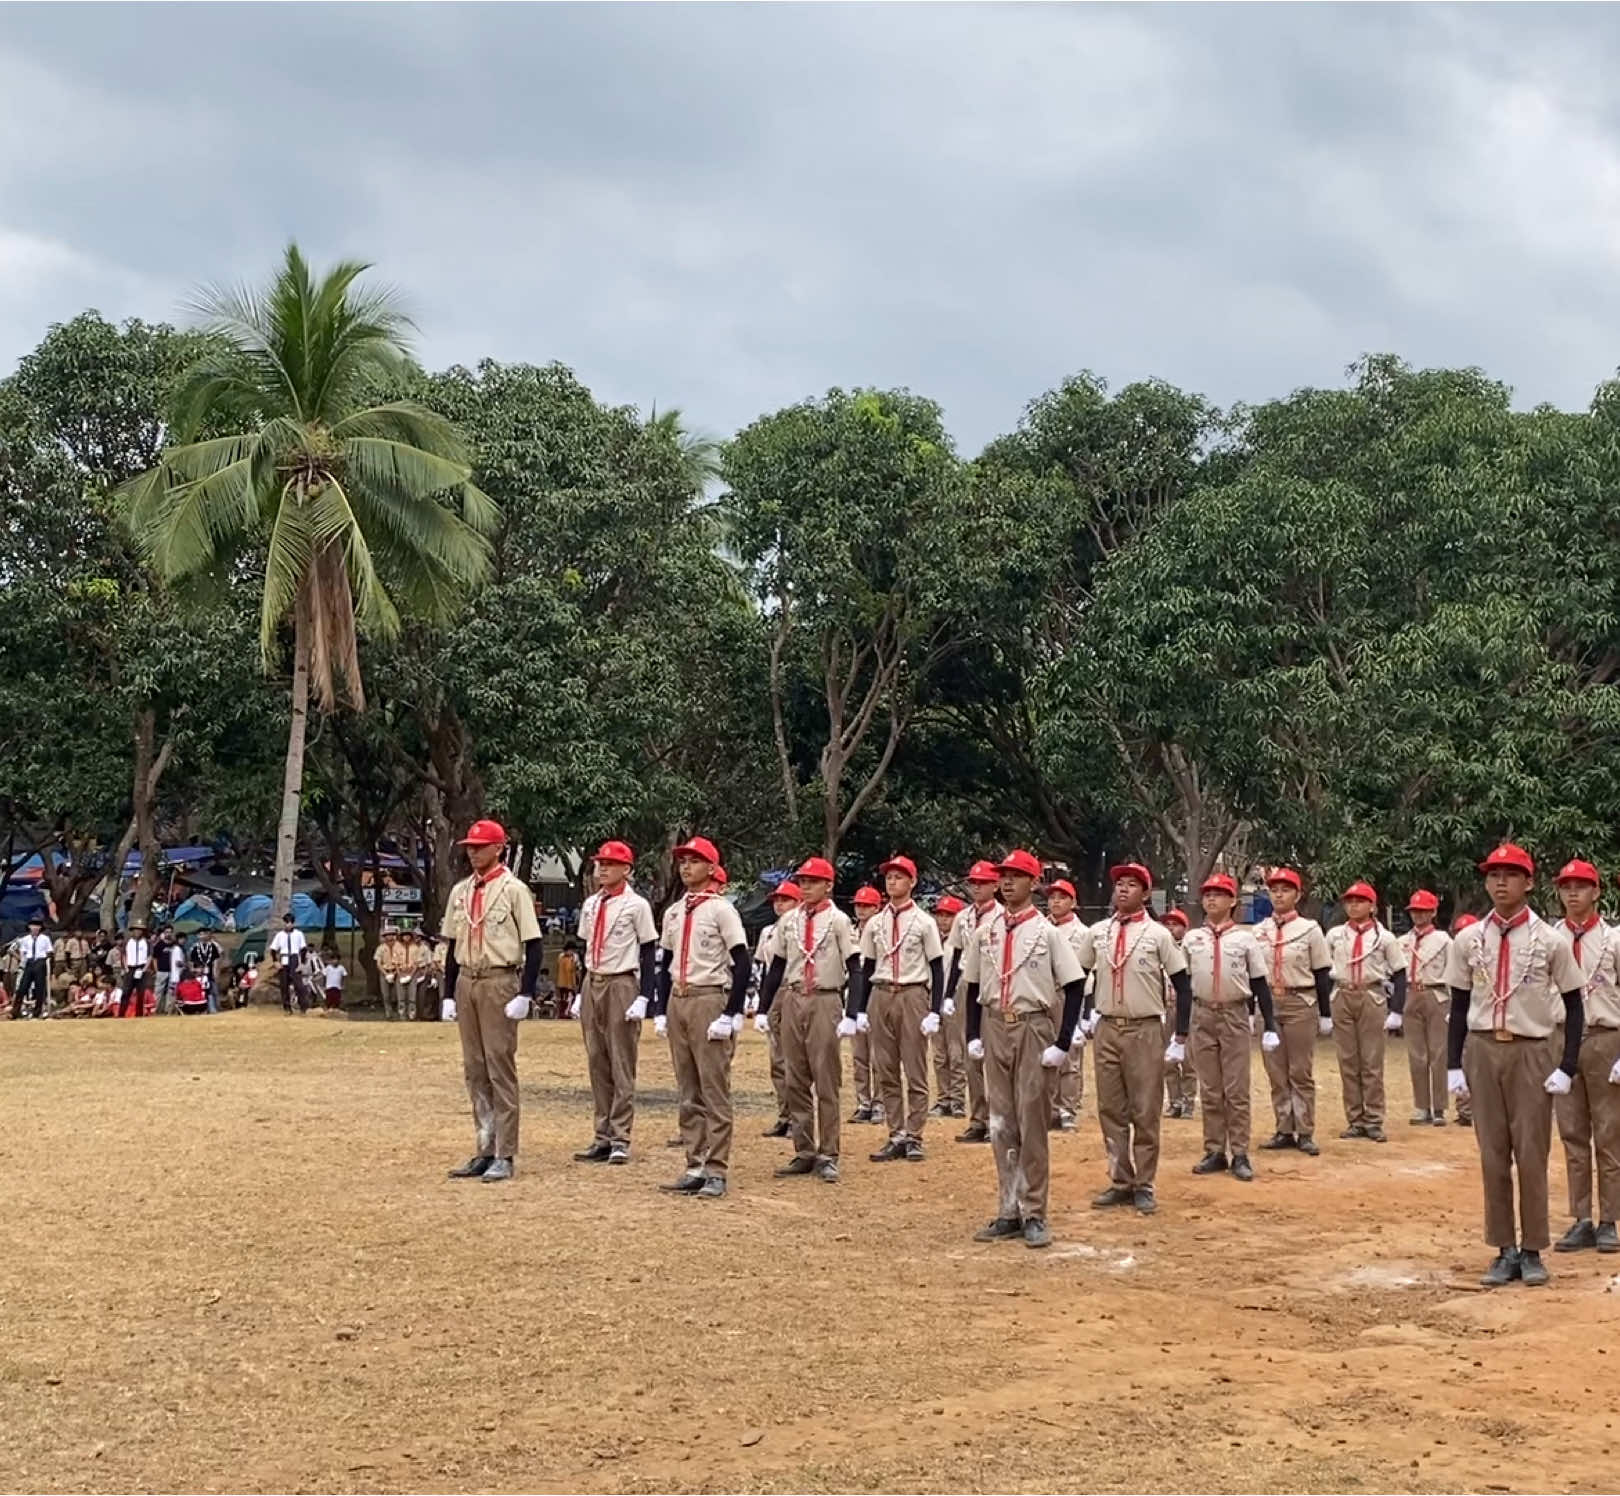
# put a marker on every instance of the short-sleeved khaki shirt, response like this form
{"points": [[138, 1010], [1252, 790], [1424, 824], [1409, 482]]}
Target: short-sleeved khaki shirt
{"points": [[1295, 950], [1515, 996], [1078, 933], [491, 935], [1432, 949], [1597, 950], [1021, 964], [627, 925], [1134, 957], [1223, 963], [700, 932], [1363, 959], [900, 942], [820, 939]]}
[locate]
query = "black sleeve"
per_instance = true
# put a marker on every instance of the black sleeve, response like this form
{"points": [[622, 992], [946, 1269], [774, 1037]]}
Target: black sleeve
{"points": [[1091, 995], [649, 963], [1073, 994], [1574, 1024], [452, 968], [1397, 999], [742, 967], [662, 982], [936, 970], [1457, 1028], [1262, 995], [974, 1011], [867, 968], [1183, 985], [533, 950], [773, 980], [852, 998], [954, 975], [1324, 990]]}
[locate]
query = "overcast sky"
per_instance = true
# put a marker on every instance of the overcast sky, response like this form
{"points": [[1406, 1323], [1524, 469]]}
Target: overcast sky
{"points": [[728, 208]]}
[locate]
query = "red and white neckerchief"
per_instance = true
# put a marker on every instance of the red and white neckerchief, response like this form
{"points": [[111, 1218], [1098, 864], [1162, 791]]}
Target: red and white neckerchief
{"points": [[807, 927], [1357, 956], [1216, 931], [896, 934], [1277, 922], [1417, 945], [1008, 969], [599, 924], [1575, 933], [693, 903], [1503, 985], [1119, 952], [476, 913]]}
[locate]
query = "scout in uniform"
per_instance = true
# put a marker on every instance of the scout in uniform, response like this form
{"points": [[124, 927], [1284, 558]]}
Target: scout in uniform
{"points": [[1499, 1050], [1134, 957], [1590, 1115], [74, 951], [491, 965], [1067, 1084], [902, 991], [783, 901], [982, 881], [1427, 951], [814, 959], [34, 971], [410, 974], [702, 982], [1180, 1078], [1024, 988], [867, 903], [136, 978], [389, 955], [950, 1043], [1365, 955], [1227, 968], [620, 939], [1465, 1106], [1299, 971]]}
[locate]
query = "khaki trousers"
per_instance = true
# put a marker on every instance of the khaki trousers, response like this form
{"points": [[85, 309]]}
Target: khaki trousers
{"points": [[815, 1072], [702, 1077], [978, 1103], [1513, 1126], [489, 1057], [1358, 1035], [1590, 1116], [611, 1047], [1016, 1084], [900, 1056], [1130, 1078], [1180, 1076], [773, 1041], [950, 1057], [1291, 1067], [1220, 1051], [860, 1051], [1424, 1024], [1066, 1086]]}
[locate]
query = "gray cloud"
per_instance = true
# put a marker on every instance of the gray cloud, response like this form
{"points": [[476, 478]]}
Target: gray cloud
{"points": [[729, 208]]}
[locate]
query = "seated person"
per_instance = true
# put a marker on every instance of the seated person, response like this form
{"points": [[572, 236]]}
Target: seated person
{"points": [[81, 997], [191, 994], [105, 1001]]}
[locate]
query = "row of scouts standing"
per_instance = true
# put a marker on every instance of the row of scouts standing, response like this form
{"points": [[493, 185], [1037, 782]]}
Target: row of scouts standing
{"points": [[1502, 1017]]}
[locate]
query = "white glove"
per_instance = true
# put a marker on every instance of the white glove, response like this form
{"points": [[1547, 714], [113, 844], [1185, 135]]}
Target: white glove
{"points": [[518, 1008], [1079, 1040], [975, 1049], [1052, 1056], [721, 1027], [1175, 1052], [1392, 1024], [846, 1028], [1456, 1082], [1614, 1075], [930, 1023], [736, 1021], [660, 1025], [1556, 1084], [762, 1023], [447, 1011], [1270, 1040], [948, 1007], [573, 1007], [862, 1023], [1324, 1026], [1092, 1020], [636, 1011]]}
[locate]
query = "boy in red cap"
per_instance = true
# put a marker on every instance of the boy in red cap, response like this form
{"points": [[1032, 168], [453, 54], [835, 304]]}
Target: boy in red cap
{"points": [[950, 1043], [1300, 973], [867, 903], [616, 924], [1590, 1114], [783, 902], [1067, 1085], [1426, 950], [902, 990], [1181, 1076], [1365, 955], [983, 883], [1134, 958]]}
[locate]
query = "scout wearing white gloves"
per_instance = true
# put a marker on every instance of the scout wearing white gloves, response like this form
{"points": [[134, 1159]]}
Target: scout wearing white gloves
{"points": [[1500, 1051], [1365, 955], [1180, 1076], [1427, 951], [1024, 989], [783, 901], [1066, 1086], [950, 1043], [492, 962], [616, 924], [868, 1108], [983, 882], [703, 950], [814, 959], [1300, 973]]}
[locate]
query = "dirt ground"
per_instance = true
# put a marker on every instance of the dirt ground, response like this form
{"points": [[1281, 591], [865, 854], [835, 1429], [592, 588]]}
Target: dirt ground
{"points": [[231, 1261]]}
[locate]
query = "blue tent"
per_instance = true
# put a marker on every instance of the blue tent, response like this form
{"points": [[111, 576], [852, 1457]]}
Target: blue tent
{"points": [[200, 913], [255, 910]]}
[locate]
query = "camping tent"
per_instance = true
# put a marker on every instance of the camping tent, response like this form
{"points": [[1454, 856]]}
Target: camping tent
{"points": [[255, 910], [200, 913]]}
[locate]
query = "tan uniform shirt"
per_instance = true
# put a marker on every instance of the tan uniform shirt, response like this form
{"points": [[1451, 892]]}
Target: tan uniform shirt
{"points": [[1598, 953], [1367, 967], [493, 936], [762, 951], [1021, 963], [821, 940], [1512, 996], [1222, 963], [963, 927], [627, 925], [700, 932], [75, 948], [900, 943], [1295, 949], [1078, 933], [1433, 950], [1134, 957], [390, 957]]}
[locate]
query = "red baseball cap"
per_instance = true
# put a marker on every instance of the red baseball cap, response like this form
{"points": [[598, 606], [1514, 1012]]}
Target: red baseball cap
{"points": [[485, 834], [1285, 875], [982, 872], [900, 865], [700, 847], [787, 889], [1578, 872], [1176, 915], [1463, 921], [1423, 899], [949, 905], [1360, 891], [1062, 885], [868, 898], [616, 852], [1220, 883], [1020, 861], [1512, 857], [1132, 870], [818, 867]]}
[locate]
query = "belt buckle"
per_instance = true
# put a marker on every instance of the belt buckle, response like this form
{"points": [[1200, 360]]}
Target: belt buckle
{"points": [[1502, 1036], [1009, 1015]]}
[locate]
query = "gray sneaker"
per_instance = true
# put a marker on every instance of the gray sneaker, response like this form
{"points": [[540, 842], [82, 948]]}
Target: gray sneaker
{"points": [[1036, 1233], [713, 1188], [827, 1171], [620, 1154], [1504, 1269], [497, 1171]]}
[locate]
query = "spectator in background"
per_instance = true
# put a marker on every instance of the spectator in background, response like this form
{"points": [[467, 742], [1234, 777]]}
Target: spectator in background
{"points": [[189, 994], [287, 950], [333, 975], [168, 966], [205, 958], [567, 981]]}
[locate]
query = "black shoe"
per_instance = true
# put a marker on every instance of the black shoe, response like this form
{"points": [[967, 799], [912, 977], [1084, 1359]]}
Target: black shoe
{"points": [[500, 1169], [687, 1184], [1144, 1202], [1115, 1194], [1607, 1238], [675, 1142], [939, 1109], [1036, 1234], [796, 1166], [827, 1171], [1242, 1168], [474, 1167], [1307, 1144], [1173, 1109], [974, 1134], [1531, 1271], [1279, 1140], [619, 1153], [890, 1151], [1504, 1270], [957, 1110], [1210, 1163], [1465, 1121], [914, 1152], [1354, 1130], [712, 1188], [1375, 1134], [1581, 1236], [861, 1114], [1003, 1228], [597, 1153], [779, 1129]]}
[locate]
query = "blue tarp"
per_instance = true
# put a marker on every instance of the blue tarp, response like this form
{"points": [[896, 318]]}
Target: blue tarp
{"points": [[202, 912], [172, 856], [19, 905], [254, 911]]}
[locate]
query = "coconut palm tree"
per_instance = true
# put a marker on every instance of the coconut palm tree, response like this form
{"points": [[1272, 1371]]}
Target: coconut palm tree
{"points": [[348, 501]]}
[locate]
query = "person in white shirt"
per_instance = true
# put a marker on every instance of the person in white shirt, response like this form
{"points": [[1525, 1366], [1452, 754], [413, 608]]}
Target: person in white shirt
{"points": [[287, 947], [333, 975], [137, 979], [34, 975]]}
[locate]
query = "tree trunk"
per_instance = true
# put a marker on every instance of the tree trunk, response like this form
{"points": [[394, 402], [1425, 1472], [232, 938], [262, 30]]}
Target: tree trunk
{"points": [[112, 886], [292, 784], [140, 908]]}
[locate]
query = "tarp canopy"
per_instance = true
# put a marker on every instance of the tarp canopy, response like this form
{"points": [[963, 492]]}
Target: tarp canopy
{"points": [[239, 884], [171, 856]]}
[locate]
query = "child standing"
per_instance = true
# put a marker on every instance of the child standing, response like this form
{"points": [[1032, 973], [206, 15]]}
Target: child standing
{"points": [[333, 974]]}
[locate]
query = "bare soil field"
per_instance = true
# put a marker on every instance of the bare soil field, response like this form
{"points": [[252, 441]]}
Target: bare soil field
{"points": [[232, 1261]]}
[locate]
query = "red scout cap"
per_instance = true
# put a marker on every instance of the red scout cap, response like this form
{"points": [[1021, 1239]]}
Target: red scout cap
{"points": [[1360, 891], [1285, 875], [982, 872], [485, 834], [949, 905], [1220, 883], [700, 847], [900, 865], [787, 889], [1020, 861], [818, 867], [1176, 915], [1463, 921], [616, 852], [1132, 870], [1511, 857], [1062, 885], [1578, 872], [721, 876], [868, 898], [1423, 899]]}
